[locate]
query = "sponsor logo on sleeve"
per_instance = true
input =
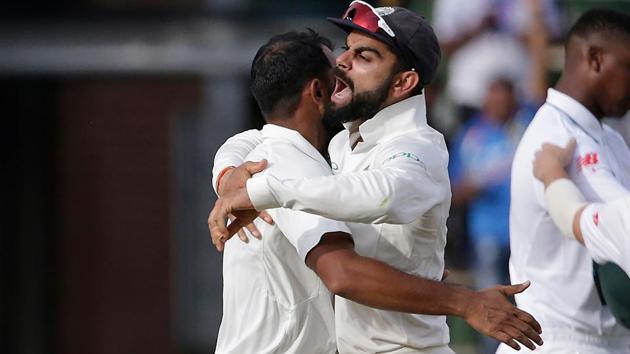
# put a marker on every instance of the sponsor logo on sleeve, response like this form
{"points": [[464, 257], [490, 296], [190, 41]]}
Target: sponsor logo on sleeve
{"points": [[588, 161], [405, 155]]}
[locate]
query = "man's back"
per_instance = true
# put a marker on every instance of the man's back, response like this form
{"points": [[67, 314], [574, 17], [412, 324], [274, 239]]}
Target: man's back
{"points": [[273, 303]]}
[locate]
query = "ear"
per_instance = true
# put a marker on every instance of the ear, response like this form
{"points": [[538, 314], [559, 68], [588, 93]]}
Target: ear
{"points": [[317, 91], [406, 82], [594, 58]]}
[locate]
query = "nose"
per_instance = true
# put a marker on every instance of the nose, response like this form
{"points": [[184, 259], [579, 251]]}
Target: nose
{"points": [[344, 61]]}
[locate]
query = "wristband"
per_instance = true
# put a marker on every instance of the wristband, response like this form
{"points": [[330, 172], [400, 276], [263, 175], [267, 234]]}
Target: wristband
{"points": [[563, 201]]}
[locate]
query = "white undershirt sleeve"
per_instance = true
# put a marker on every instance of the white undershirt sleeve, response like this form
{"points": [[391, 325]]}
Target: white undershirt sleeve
{"points": [[234, 151], [564, 200], [606, 231]]}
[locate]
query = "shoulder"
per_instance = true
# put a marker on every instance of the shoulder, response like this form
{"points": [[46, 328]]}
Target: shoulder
{"points": [[547, 126], [287, 161], [423, 146], [339, 141], [614, 137], [252, 135]]}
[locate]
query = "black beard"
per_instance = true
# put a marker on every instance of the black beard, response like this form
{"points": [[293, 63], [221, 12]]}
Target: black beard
{"points": [[331, 124], [363, 106]]}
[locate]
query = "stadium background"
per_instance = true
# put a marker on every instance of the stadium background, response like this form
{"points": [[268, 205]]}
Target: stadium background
{"points": [[112, 111]]}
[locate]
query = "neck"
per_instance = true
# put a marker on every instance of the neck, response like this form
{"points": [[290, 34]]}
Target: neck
{"points": [[311, 129], [571, 86]]}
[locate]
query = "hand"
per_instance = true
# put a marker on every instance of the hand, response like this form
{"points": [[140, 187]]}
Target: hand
{"points": [[493, 315], [251, 226], [236, 177], [550, 161], [237, 204]]}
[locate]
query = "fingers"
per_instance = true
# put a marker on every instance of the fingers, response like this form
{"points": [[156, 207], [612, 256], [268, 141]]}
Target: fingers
{"points": [[511, 290], [529, 319], [253, 230], [526, 329], [241, 233], [505, 338], [242, 236], [570, 147], [216, 225], [516, 334], [255, 167], [549, 146], [243, 220], [266, 217]]}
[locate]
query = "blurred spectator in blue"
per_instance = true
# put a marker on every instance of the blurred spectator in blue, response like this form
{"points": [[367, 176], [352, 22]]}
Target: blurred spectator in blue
{"points": [[481, 159], [485, 39], [481, 153]]}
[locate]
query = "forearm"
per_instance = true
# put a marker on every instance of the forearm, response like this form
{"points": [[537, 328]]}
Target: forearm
{"points": [[373, 283], [374, 196]]}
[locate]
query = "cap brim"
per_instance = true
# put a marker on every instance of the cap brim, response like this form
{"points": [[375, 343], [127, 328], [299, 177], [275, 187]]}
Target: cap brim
{"points": [[349, 26]]}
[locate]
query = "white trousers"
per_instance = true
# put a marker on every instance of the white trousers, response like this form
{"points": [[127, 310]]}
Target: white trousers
{"points": [[565, 342]]}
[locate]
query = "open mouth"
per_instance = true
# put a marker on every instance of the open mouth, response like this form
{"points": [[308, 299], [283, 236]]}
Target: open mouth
{"points": [[342, 94]]}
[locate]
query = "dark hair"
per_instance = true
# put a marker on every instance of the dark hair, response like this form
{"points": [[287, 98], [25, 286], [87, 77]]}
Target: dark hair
{"points": [[283, 66], [600, 20]]}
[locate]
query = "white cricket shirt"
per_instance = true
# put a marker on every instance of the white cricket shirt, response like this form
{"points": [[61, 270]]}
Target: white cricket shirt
{"points": [[395, 183], [563, 297], [272, 302], [606, 231]]}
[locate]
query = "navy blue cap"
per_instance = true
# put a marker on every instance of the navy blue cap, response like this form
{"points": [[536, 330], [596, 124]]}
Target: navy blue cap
{"points": [[414, 40]]}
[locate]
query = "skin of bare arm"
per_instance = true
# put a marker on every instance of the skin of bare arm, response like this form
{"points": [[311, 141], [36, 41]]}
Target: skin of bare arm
{"points": [[375, 284]]}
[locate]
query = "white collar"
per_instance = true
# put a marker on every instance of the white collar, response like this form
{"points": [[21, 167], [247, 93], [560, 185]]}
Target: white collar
{"points": [[295, 138], [396, 119], [576, 112]]}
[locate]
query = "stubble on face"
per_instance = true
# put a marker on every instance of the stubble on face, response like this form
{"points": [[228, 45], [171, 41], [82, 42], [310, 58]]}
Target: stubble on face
{"points": [[363, 105]]}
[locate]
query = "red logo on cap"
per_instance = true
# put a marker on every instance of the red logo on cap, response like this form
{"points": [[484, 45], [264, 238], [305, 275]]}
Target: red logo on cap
{"points": [[589, 160]]}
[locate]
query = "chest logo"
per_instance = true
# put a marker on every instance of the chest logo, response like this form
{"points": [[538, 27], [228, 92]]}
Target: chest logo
{"points": [[588, 161]]}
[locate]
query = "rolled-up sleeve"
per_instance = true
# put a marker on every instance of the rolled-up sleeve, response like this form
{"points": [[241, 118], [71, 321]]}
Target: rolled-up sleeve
{"points": [[406, 179]]}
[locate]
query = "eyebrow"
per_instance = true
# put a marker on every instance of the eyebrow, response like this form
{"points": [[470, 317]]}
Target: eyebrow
{"points": [[366, 49]]}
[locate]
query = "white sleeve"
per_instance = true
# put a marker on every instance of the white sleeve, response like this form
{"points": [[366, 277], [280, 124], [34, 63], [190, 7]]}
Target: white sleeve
{"points": [[606, 231], [592, 173], [405, 180], [304, 230], [234, 151]]}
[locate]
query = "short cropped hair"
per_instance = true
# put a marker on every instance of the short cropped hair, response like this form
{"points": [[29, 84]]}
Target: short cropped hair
{"points": [[283, 66], [601, 21]]}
